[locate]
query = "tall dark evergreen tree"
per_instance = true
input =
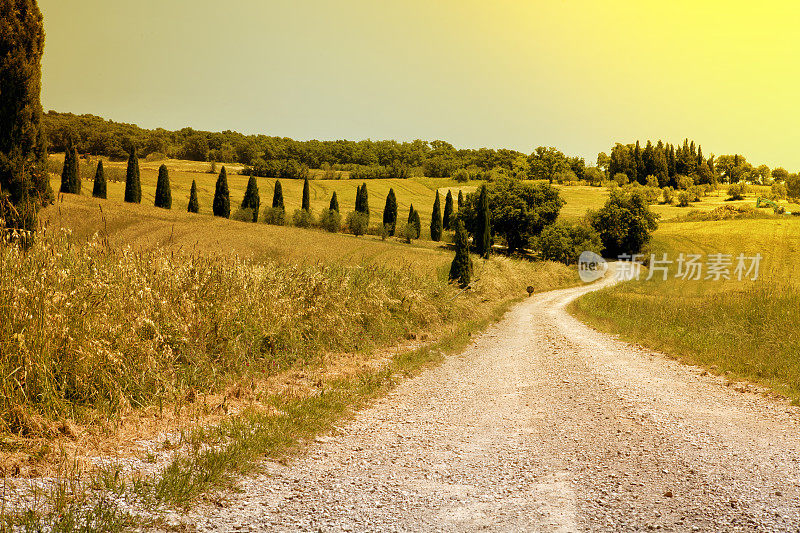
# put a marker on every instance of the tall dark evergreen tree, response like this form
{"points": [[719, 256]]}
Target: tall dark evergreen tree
{"points": [[436, 220], [461, 267], [460, 200], [70, 175], [24, 182], [306, 206], [133, 185], [99, 190], [390, 212], [483, 241], [362, 200], [222, 196], [448, 210], [252, 200], [334, 203], [194, 205], [277, 196], [163, 189]]}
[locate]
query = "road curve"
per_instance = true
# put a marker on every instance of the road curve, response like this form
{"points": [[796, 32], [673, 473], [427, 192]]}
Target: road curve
{"points": [[541, 424]]}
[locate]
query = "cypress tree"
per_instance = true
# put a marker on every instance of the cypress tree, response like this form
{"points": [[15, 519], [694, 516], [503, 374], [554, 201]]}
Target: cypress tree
{"points": [[99, 189], [277, 196], [436, 220], [70, 179], [483, 235], [222, 197], [133, 185], [364, 201], [460, 200], [163, 190], [306, 206], [417, 224], [23, 154], [448, 210], [334, 203], [390, 212], [194, 205], [461, 267], [251, 199]]}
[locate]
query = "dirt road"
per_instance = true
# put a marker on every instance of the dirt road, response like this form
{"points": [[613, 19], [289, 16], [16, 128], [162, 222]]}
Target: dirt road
{"points": [[542, 424]]}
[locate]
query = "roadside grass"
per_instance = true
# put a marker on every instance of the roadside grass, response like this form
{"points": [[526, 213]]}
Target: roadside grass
{"points": [[745, 330]]}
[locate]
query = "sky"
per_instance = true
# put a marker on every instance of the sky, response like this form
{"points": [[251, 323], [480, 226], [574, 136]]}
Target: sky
{"points": [[576, 74]]}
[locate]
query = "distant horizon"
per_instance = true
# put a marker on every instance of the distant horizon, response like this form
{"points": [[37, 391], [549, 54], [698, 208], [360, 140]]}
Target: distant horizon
{"points": [[578, 75]]}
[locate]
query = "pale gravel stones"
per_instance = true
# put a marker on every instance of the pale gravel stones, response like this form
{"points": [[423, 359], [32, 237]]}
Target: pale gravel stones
{"points": [[542, 424]]}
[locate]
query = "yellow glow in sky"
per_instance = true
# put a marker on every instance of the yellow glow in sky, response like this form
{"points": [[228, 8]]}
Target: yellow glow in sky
{"points": [[579, 75]]}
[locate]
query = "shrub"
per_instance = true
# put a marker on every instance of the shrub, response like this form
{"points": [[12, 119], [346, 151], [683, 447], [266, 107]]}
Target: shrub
{"points": [[330, 220], [652, 181], [696, 193], [684, 182], [408, 232], [243, 214], [621, 179], [275, 216], [624, 223], [565, 242], [357, 223], [778, 191], [683, 199], [736, 191], [668, 194], [302, 218], [462, 175]]}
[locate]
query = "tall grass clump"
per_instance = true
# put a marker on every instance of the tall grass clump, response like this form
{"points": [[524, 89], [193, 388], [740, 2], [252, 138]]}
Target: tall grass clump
{"points": [[87, 331]]}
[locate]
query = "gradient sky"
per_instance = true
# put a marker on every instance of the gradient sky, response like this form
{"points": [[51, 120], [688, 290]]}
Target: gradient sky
{"points": [[576, 74]]}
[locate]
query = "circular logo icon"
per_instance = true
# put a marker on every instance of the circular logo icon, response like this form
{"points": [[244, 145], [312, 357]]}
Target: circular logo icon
{"points": [[591, 266]]}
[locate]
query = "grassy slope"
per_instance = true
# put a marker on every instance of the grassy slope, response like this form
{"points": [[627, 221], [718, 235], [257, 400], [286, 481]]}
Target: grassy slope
{"points": [[747, 330]]}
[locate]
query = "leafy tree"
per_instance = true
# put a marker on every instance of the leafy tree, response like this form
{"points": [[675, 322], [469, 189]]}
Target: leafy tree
{"points": [[546, 163], [779, 174], [683, 199], [390, 213], [24, 182], [736, 191], [70, 175], [564, 242], [334, 203], [99, 190], [251, 199], [624, 223], [462, 175], [194, 205], [448, 210], [461, 267], [222, 198], [793, 186], [436, 220], [306, 206], [277, 196], [133, 185], [518, 211], [163, 190]]}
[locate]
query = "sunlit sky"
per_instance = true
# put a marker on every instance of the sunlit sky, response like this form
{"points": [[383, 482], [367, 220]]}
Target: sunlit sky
{"points": [[576, 74]]}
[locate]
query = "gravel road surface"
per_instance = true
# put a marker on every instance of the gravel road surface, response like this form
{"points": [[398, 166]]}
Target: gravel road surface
{"points": [[541, 424]]}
